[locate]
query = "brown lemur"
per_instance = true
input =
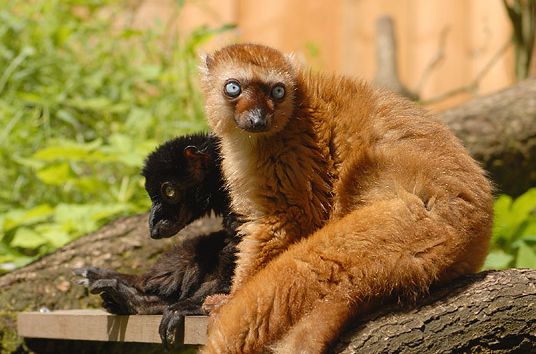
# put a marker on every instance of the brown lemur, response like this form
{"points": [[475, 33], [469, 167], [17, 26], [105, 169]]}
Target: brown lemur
{"points": [[350, 195], [183, 179]]}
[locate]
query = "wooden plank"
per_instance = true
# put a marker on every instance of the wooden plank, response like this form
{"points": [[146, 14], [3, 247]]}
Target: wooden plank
{"points": [[99, 325]]}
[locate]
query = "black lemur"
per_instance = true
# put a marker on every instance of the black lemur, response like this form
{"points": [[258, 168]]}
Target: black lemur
{"points": [[184, 181]]}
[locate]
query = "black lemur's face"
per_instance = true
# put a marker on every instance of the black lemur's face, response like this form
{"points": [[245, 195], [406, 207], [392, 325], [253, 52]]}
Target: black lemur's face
{"points": [[176, 180]]}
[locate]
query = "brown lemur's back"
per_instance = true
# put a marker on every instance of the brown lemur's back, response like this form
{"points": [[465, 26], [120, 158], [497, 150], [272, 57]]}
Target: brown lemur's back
{"points": [[351, 195]]}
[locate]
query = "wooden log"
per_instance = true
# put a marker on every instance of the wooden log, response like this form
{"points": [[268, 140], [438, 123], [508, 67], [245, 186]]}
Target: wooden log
{"points": [[489, 312], [499, 130], [493, 311]]}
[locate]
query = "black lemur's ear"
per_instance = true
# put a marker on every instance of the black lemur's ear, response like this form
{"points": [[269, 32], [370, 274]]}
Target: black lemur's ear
{"points": [[193, 153], [198, 161]]}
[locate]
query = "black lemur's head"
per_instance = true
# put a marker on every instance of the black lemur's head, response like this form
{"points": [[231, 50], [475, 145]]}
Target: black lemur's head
{"points": [[183, 179]]}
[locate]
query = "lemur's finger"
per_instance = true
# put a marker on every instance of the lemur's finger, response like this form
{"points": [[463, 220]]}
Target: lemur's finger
{"points": [[83, 282], [103, 285], [94, 273], [80, 271]]}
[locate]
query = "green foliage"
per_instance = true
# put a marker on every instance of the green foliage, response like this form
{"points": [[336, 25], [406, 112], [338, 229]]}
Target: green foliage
{"points": [[514, 232], [84, 97]]}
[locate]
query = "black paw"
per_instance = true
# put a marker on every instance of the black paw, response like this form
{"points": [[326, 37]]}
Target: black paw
{"points": [[171, 326], [114, 293]]}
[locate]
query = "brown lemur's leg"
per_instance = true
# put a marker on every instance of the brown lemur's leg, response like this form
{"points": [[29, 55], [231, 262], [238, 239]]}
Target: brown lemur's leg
{"points": [[311, 333], [390, 247]]}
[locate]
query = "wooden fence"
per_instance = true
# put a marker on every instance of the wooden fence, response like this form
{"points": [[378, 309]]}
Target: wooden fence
{"points": [[463, 37]]}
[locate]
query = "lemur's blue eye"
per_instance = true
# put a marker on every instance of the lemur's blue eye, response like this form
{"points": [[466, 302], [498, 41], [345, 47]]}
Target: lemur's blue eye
{"points": [[232, 88], [278, 91]]}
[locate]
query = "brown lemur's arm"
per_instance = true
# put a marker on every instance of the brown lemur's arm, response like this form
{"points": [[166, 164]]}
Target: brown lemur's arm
{"points": [[261, 242]]}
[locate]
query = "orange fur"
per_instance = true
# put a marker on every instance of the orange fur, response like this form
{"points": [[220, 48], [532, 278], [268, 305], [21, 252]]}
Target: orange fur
{"points": [[351, 196]]}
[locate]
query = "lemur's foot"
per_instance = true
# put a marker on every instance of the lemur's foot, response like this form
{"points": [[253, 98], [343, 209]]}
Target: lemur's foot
{"points": [[173, 320]]}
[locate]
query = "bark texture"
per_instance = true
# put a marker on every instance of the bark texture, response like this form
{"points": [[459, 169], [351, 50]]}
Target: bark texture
{"points": [[489, 312], [500, 131]]}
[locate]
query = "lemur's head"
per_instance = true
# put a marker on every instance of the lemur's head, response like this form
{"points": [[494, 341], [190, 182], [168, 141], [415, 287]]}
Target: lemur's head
{"points": [[250, 87], [176, 179]]}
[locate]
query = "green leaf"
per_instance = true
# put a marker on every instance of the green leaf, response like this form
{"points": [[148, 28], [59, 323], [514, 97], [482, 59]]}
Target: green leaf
{"points": [[29, 97], [125, 149], [149, 72], [19, 217], [27, 238], [62, 34], [55, 175], [70, 151], [526, 257], [54, 234], [91, 185], [529, 238], [93, 103], [498, 259], [81, 219], [130, 32], [525, 204], [502, 224]]}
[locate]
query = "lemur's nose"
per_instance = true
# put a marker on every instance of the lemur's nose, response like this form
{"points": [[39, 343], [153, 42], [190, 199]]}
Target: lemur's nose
{"points": [[257, 120]]}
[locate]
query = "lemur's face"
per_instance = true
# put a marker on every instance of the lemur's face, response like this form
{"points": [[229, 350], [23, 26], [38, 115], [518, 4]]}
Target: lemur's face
{"points": [[170, 211], [249, 87], [174, 177]]}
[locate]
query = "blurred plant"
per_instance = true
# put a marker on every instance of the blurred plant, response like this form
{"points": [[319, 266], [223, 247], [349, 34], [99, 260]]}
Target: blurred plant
{"points": [[82, 101], [522, 15], [514, 232]]}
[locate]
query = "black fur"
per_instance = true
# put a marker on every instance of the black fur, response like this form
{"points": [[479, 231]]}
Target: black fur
{"points": [[183, 277], [197, 178]]}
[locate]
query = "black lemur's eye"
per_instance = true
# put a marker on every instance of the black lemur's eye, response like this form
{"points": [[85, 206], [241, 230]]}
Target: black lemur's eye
{"points": [[278, 91], [232, 88], [169, 192]]}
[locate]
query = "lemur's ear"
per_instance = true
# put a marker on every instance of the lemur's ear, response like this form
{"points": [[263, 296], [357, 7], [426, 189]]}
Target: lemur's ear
{"points": [[197, 161], [192, 152], [295, 60], [206, 64]]}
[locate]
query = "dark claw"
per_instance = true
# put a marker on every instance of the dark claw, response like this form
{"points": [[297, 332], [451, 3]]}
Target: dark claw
{"points": [[93, 273]]}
